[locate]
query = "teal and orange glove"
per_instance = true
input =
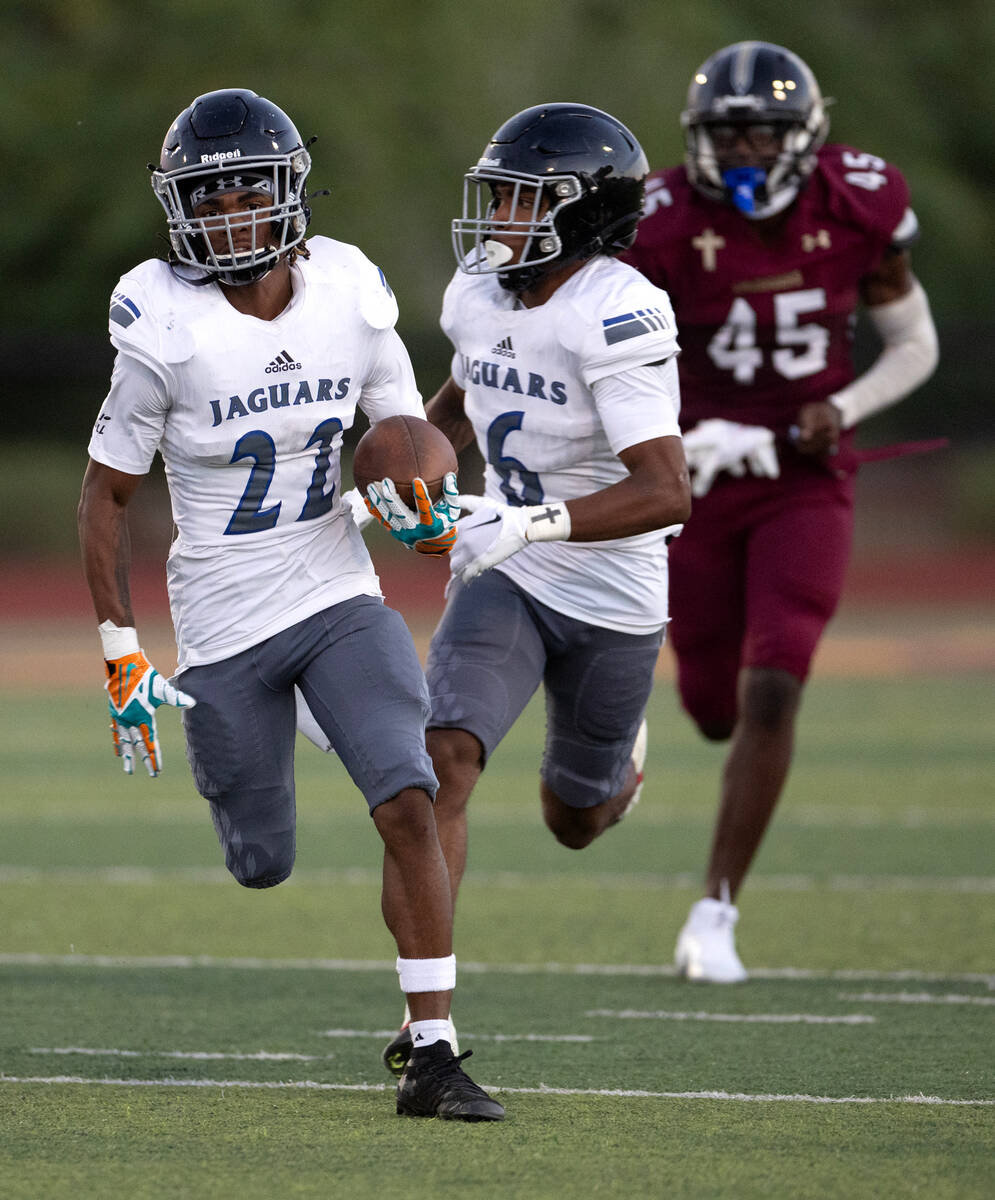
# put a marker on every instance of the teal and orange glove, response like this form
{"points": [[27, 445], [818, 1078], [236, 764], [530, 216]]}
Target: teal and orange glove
{"points": [[135, 690], [431, 529]]}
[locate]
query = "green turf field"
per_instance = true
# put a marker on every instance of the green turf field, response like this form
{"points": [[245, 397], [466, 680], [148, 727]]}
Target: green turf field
{"points": [[167, 1033]]}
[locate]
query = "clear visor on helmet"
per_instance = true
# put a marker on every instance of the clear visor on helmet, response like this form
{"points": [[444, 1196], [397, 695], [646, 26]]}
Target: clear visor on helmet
{"points": [[484, 244], [269, 221]]}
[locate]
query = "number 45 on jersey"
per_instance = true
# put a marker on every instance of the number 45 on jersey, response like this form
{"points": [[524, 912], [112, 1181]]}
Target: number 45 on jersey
{"points": [[801, 347]]}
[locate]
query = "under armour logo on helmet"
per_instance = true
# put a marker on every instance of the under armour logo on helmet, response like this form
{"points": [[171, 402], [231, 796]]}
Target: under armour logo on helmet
{"points": [[231, 183]]}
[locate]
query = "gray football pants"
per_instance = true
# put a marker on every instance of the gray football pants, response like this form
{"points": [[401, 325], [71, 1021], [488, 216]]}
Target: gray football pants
{"points": [[357, 667]]}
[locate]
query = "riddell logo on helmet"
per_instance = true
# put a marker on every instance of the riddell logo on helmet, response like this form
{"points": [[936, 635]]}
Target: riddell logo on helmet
{"points": [[220, 156]]}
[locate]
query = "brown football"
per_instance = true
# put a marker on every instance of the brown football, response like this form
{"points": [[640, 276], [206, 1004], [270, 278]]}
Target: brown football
{"points": [[401, 448]]}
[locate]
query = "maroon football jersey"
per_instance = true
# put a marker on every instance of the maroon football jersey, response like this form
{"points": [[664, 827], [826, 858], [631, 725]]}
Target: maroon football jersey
{"points": [[766, 322]]}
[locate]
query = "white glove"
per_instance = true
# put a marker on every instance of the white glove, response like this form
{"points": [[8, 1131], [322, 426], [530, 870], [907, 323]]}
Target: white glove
{"points": [[716, 445], [496, 531], [355, 505]]}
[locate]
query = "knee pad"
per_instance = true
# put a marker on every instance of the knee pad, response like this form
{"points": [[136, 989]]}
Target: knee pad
{"points": [[258, 857], [584, 784], [256, 867], [258, 884]]}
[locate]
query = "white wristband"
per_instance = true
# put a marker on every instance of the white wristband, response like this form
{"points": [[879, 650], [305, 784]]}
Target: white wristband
{"points": [[547, 523], [118, 641]]}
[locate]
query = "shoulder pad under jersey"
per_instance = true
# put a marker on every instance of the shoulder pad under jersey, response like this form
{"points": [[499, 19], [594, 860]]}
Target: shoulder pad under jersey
{"points": [[147, 314], [619, 314], [372, 292], [868, 192]]}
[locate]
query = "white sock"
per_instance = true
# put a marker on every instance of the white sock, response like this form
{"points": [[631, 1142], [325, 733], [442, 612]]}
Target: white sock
{"points": [[427, 1033]]}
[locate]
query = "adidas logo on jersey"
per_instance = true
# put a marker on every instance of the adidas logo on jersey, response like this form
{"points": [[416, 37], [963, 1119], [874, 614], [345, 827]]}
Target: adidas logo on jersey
{"points": [[282, 362], [504, 347]]}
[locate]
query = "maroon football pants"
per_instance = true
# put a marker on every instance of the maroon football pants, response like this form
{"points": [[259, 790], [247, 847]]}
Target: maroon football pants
{"points": [[754, 578]]}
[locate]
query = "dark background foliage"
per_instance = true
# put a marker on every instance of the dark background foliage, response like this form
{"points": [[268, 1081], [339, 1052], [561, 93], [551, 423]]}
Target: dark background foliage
{"points": [[402, 97]]}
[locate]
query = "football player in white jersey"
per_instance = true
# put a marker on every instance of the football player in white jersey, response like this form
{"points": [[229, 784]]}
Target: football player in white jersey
{"points": [[564, 372], [242, 360]]}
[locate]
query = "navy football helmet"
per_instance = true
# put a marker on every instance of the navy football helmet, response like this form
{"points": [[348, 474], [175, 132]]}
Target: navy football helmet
{"points": [[583, 166], [767, 95], [226, 141]]}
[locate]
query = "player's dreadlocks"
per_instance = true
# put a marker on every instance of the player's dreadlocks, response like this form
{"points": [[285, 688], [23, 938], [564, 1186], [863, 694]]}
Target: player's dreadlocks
{"points": [[298, 251]]}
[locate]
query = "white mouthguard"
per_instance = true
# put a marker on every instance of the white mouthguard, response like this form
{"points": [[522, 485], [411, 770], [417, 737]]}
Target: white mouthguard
{"points": [[497, 253]]}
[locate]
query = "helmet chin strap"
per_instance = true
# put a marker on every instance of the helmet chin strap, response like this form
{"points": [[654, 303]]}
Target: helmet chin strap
{"points": [[226, 275], [524, 277]]}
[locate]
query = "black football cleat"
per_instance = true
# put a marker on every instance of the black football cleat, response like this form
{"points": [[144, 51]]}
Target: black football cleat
{"points": [[396, 1054], [435, 1085]]}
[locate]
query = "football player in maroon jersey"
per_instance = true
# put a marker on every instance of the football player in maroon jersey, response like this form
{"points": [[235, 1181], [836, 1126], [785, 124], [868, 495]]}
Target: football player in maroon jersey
{"points": [[767, 239]]}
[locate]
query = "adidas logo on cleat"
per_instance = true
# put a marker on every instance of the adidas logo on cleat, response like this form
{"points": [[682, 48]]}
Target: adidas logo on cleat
{"points": [[504, 347], [283, 362]]}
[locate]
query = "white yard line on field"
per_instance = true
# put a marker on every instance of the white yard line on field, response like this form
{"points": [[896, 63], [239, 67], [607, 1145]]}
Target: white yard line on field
{"points": [[632, 1014], [475, 1037], [618, 1093], [498, 814], [281, 1056], [916, 998], [131, 876], [195, 1055], [648, 970]]}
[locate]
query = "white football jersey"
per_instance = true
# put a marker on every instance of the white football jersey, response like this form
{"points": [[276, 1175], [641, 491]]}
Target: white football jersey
{"points": [[550, 425], [248, 416]]}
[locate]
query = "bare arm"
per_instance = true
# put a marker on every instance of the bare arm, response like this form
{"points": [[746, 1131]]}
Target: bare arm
{"points": [[104, 540], [135, 688], [445, 410], [656, 493]]}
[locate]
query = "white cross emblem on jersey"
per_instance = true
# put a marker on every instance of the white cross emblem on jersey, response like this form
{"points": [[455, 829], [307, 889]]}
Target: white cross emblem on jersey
{"points": [[816, 241], [708, 242]]}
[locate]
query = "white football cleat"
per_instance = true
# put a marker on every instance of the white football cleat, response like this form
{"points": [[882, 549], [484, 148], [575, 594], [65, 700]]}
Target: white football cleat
{"points": [[706, 947], [638, 760]]}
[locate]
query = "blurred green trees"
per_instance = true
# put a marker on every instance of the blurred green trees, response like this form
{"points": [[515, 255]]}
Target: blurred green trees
{"points": [[402, 98]]}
